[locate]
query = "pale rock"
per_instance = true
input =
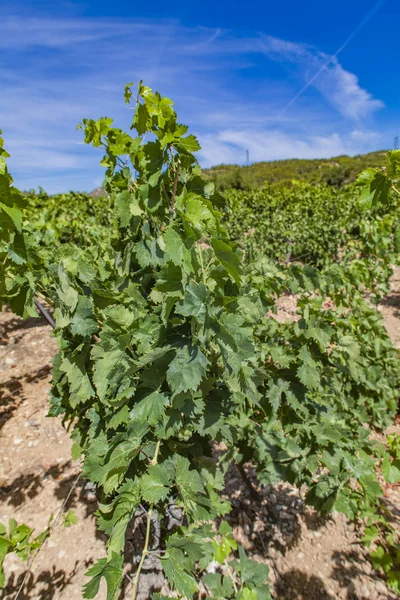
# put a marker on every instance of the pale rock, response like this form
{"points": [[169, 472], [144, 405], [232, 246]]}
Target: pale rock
{"points": [[317, 534], [285, 515], [365, 592], [90, 497]]}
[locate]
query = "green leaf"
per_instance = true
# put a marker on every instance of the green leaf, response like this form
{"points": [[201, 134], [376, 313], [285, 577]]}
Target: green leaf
{"points": [[307, 372], [376, 187], [191, 489], [155, 484], [276, 390], [194, 303], [68, 295], [391, 469], [151, 408], [111, 571], [177, 251], [251, 572], [187, 369], [220, 587], [235, 340], [80, 388], [83, 322], [188, 143], [228, 259], [120, 417], [70, 518], [178, 578], [115, 517], [370, 535]]}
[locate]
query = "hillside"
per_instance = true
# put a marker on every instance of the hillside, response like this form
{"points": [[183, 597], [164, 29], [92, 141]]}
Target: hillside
{"points": [[335, 171]]}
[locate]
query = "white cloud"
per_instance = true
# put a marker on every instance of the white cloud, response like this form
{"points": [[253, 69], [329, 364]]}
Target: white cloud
{"points": [[340, 88]]}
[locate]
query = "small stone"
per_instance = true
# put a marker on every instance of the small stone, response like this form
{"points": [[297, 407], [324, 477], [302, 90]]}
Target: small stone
{"points": [[317, 534], [61, 554], [9, 360], [272, 498], [90, 497], [266, 489], [365, 593], [300, 555], [232, 481], [89, 487], [285, 515], [247, 529], [17, 441]]}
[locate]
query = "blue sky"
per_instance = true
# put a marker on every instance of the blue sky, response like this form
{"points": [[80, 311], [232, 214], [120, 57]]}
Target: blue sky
{"points": [[263, 76]]}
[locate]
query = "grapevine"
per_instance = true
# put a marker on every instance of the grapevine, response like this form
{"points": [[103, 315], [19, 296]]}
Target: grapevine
{"points": [[165, 348]]}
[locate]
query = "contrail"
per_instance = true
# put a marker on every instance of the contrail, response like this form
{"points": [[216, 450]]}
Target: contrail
{"points": [[362, 24]]}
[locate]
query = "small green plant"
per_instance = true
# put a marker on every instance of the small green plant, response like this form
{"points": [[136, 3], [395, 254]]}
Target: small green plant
{"points": [[18, 539], [380, 532]]}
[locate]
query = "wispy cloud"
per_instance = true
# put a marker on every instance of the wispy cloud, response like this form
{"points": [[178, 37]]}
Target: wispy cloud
{"points": [[340, 88], [56, 71]]}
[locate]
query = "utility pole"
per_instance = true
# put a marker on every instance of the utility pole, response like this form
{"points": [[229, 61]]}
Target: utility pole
{"points": [[247, 157], [396, 142]]}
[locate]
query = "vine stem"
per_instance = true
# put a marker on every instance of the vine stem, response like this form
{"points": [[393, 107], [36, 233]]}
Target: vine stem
{"points": [[174, 190], [395, 189], [232, 574], [51, 528], [147, 537]]}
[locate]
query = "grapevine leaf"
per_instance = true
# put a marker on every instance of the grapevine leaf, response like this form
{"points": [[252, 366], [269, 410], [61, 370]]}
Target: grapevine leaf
{"points": [[151, 408], [115, 517], [219, 586], [155, 484], [228, 259], [83, 322], [112, 572], [80, 389], [187, 369], [177, 576], [391, 470], [194, 303]]}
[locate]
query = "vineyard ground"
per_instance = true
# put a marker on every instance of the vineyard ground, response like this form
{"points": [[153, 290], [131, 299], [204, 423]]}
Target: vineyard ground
{"points": [[310, 558]]}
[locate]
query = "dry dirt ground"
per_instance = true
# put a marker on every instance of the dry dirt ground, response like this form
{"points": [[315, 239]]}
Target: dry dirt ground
{"points": [[309, 557]]}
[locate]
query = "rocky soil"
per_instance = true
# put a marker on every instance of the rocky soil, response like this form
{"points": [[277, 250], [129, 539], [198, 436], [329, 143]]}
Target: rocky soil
{"points": [[309, 557]]}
